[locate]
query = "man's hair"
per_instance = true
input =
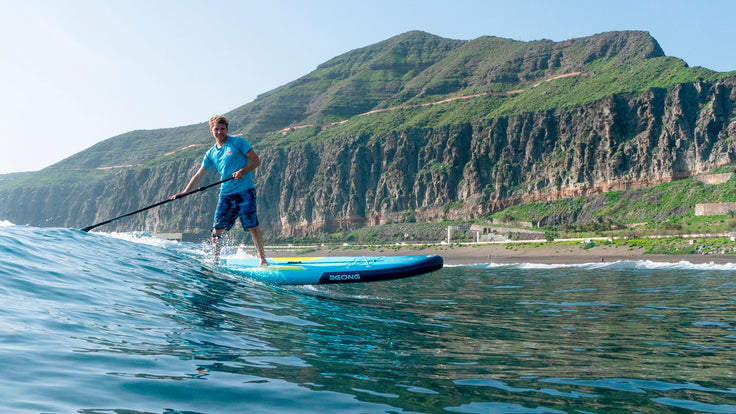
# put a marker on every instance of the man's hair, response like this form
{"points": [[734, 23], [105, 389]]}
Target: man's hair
{"points": [[218, 119]]}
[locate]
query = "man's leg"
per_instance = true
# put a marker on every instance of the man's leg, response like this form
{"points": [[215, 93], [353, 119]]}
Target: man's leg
{"points": [[225, 215], [216, 237], [257, 236], [249, 220]]}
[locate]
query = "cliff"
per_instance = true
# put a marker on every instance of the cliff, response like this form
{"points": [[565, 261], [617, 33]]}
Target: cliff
{"points": [[417, 128], [471, 170]]}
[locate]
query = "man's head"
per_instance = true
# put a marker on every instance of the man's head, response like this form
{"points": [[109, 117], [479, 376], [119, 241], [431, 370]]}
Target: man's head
{"points": [[218, 128], [218, 119]]}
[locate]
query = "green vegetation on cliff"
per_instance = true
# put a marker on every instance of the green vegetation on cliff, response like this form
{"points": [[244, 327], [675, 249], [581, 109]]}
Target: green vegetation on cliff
{"points": [[664, 209]]}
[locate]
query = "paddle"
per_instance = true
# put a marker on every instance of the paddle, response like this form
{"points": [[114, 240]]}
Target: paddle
{"points": [[88, 228]]}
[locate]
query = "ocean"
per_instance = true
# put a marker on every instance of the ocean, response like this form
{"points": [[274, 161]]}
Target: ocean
{"points": [[128, 324]]}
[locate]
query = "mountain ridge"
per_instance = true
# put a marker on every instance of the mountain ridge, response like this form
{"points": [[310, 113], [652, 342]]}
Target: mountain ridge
{"points": [[242, 121]]}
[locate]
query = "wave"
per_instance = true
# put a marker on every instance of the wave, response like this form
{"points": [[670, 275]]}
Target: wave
{"points": [[617, 265], [85, 315], [141, 238]]}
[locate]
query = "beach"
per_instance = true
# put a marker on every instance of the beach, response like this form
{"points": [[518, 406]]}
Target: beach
{"points": [[506, 253]]}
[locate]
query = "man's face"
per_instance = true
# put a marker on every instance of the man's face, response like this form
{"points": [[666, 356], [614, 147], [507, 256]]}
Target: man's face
{"points": [[219, 131]]}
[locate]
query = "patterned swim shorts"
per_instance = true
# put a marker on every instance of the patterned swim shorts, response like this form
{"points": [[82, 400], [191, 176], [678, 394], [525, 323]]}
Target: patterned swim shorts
{"points": [[232, 206]]}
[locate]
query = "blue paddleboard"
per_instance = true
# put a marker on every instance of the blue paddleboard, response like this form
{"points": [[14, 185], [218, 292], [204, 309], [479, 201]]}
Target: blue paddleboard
{"points": [[323, 270]]}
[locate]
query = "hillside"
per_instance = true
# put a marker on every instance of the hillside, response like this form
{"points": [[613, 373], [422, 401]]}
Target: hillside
{"points": [[418, 127]]}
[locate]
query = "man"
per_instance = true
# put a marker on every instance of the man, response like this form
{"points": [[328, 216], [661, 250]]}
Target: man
{"points": [[231, 156]]}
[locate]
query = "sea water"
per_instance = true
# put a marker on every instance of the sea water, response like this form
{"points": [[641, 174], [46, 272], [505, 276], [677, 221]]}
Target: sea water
{"points": [[127, 323]]}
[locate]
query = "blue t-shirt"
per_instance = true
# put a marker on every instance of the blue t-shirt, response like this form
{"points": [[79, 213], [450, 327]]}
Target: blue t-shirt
{"points": [[228, 159]]}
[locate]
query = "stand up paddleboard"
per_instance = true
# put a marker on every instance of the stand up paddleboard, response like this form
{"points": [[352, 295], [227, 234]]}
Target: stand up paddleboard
{"points": [[322, 270]]}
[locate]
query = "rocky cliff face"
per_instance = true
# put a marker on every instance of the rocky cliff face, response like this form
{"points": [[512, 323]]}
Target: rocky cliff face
{"points": [[467, 171], [458, 172]]}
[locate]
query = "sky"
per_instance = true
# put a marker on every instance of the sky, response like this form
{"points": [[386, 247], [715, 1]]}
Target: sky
{"points": [[76, 72]]}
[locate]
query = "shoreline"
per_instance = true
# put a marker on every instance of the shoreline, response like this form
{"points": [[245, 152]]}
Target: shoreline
{"points": [[508, 253]]}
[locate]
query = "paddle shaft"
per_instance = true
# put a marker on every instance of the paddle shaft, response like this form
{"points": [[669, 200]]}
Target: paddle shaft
{"points": [[88, 228]]}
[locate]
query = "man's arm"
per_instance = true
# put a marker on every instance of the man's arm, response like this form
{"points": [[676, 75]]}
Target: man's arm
{"points": [[192, 183], [253, 163]]}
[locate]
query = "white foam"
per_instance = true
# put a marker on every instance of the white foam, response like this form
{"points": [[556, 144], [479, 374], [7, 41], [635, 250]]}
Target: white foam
{"points": [[685, 265], [6, 223], [142, 238], [557, 266], [236, 253], [621, 264]]}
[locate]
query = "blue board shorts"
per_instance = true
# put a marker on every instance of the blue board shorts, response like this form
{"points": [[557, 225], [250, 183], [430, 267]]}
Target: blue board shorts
{"points": [[238, 205]]}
